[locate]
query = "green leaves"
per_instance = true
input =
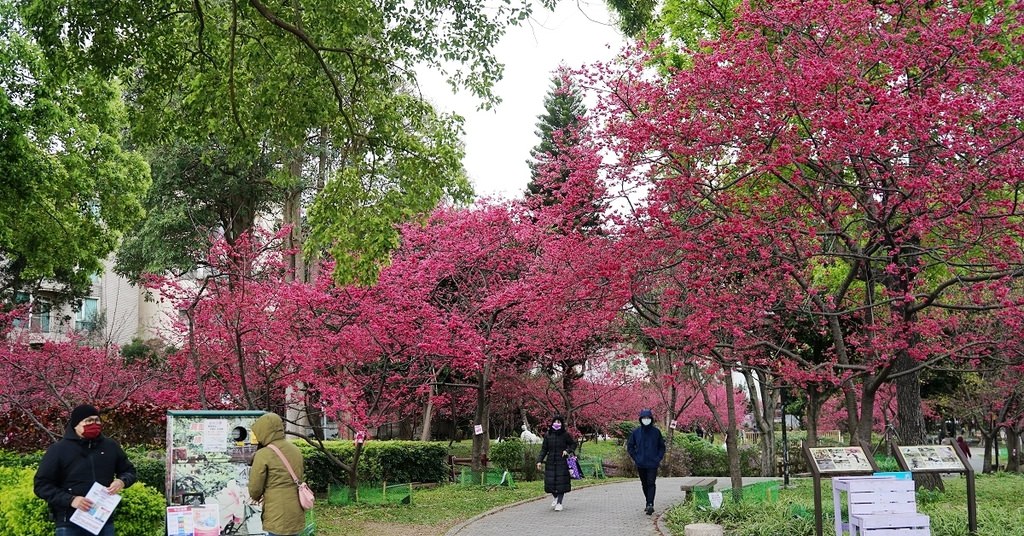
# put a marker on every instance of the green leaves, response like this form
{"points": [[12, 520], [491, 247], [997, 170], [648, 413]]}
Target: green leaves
{"points": [[414, 165], [322, 92], [69, 189]]}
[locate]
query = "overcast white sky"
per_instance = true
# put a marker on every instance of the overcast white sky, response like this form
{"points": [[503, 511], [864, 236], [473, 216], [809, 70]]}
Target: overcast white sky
{"points": [[498, 141]]}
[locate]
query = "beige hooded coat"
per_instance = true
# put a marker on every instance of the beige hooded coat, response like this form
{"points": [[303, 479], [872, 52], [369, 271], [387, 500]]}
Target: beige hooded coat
{"points": [[269, 479]]}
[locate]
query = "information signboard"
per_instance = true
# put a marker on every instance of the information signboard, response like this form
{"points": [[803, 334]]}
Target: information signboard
{"points": [[208, 458]]}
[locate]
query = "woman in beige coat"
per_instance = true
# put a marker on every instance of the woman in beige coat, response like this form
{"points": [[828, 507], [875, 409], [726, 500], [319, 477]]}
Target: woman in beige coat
{"points": [[269, 479]]}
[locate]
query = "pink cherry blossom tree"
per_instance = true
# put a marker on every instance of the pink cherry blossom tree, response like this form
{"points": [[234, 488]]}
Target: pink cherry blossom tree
{"points": [[866, 155]]}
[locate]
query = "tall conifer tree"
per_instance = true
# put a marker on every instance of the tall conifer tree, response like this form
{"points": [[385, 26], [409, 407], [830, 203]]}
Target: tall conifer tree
{"points": [[550, 162]]}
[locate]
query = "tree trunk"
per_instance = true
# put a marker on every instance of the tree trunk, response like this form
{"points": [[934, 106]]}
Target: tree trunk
{"points": [[812, 411], [353, 473], [1012, 449], [909, 415], [296, 419], [866, 420], [989, 442], [193, 354], [482, 442], [731, 447], [852, 412], [428, 415], [763, 402]]}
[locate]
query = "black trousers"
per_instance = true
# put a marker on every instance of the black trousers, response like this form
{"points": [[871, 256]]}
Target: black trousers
{"points": [[647, 477]]}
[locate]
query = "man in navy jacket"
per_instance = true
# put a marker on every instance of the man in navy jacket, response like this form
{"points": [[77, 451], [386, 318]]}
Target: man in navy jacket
{"points": [[71, 466], [647, 448]]}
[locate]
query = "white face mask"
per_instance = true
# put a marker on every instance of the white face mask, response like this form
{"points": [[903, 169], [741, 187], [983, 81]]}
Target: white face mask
{"points": [[645, 421]]}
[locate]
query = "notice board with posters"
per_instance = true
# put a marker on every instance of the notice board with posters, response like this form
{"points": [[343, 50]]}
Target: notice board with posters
{"points": [[209, 454]]}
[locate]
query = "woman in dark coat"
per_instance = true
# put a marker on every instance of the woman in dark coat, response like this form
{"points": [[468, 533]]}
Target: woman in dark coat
{"points": [[558, 445]]}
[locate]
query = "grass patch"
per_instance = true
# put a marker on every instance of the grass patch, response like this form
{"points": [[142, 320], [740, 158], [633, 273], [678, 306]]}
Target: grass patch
{"points": [[1000, 510], [609, 450], [433, 511]]}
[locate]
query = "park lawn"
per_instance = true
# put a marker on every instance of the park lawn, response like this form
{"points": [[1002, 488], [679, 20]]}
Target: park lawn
{"points": [[999, 498], [433, 511], [607, 449]]}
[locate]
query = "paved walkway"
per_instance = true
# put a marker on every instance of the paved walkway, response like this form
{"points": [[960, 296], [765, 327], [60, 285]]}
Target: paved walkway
{"points": [[602, 509]]}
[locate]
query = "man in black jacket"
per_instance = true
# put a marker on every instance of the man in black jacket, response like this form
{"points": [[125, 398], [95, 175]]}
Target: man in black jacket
{"points": [[70, 467], [647, 448]]}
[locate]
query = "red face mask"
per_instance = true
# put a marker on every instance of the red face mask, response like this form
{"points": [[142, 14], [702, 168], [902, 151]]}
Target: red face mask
{"points": [[92, 430]]}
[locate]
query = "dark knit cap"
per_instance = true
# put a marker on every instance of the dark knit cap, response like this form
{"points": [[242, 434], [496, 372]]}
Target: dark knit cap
{"points": [[82, 412]]}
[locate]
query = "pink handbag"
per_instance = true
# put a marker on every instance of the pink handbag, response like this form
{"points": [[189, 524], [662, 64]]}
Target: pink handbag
{"points": [[306, 496]]}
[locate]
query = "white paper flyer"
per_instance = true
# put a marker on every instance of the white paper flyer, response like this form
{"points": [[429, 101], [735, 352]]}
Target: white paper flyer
{"points": [[103, 505]]}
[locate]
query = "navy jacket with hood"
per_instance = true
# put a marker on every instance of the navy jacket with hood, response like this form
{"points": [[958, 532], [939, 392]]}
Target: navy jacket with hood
{"points": [[71, 466], [646, 445]]}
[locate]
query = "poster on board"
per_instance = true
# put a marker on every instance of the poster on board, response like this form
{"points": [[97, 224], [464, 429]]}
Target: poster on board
{"points": [[180, 521], [208, 458], [931, 458], [840, 459]]}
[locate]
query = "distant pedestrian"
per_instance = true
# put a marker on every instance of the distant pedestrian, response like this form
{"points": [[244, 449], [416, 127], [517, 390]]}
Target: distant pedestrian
{"points": [[647, 448], [963, 445], [555, 450]]}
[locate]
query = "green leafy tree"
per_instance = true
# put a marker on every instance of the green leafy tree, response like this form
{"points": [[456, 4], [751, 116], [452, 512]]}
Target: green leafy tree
{"points": [[325, 88], [198, 195], [68, 188], [678, 26]]}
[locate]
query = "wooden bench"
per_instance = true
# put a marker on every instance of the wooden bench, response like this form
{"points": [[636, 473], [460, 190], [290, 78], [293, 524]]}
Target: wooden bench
{"points": [[701, 483], [884, 506], [454, 461]]}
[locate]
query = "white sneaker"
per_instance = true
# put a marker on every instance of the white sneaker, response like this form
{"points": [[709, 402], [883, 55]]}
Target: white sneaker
{"points": [[554, 503], [558, 507]]}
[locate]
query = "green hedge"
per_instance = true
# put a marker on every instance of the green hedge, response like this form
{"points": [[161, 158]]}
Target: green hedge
{"points": [[380, 461], [16, 459], [509, 454], [150, 466], [707, 459], [141, 512]]}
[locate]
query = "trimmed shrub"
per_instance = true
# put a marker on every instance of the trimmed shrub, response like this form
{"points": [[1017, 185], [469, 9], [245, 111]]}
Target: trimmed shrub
{"points": [[621, 430], [141, 512], [16, 459], [21, 512], [380, 461], [697, 457], [509, 454], [150, 466], [707, 459]]}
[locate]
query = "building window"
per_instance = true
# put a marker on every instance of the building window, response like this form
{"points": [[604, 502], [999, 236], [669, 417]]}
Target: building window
{"points": [[40, 321], [87, 315], [20, 298], [39, 315]]}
